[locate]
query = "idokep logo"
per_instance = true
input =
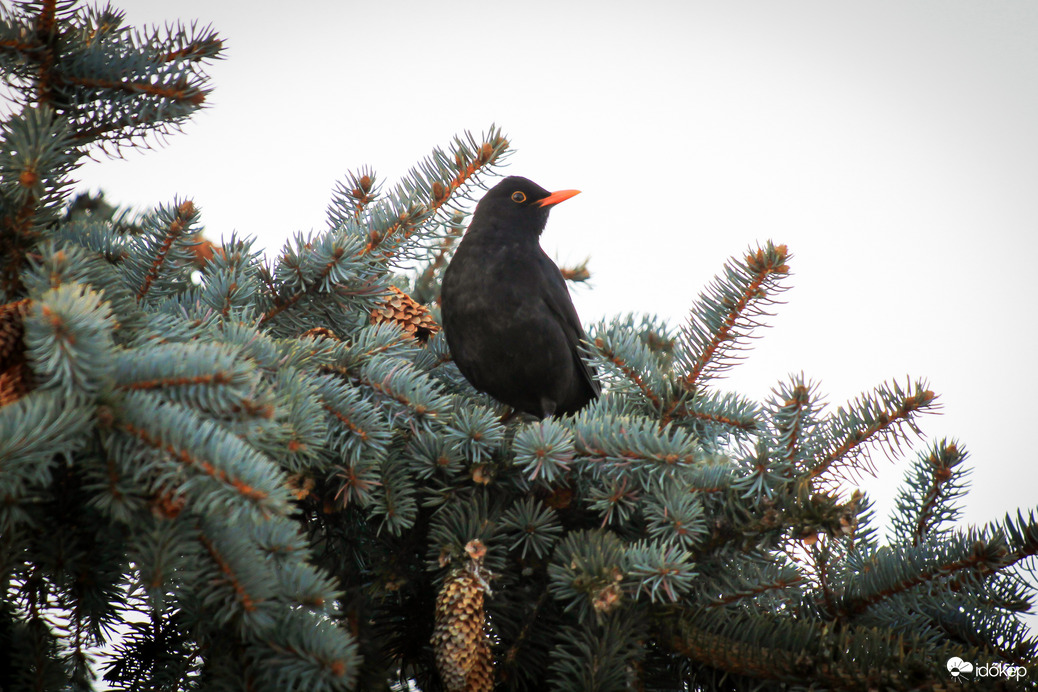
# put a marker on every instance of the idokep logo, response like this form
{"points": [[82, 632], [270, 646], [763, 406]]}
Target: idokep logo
{"points": [[964, 670], [957, 667]]}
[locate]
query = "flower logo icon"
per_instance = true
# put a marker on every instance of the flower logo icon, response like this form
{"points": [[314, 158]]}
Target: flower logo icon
{"points": [[956, 666]]}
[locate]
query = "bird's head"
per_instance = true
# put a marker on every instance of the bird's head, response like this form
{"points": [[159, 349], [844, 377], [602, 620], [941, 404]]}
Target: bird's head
{"points": [[517, 204]]}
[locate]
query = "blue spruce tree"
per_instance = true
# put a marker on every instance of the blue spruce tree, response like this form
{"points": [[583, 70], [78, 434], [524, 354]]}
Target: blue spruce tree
{"points": [[248, 472]]}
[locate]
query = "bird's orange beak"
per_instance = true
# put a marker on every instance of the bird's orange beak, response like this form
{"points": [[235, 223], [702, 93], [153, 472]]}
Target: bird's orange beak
{"points": [[556, 197]]}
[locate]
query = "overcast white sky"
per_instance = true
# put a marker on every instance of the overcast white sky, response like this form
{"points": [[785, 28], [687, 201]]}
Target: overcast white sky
{"points": [[892, 144]]}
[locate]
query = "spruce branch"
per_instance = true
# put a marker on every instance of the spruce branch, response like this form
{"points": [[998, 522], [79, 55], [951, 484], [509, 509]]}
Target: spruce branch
{"points": [[910, 567], [596, 657], [1021, 533], [328, 265], [387, 232], [820, 554], [114, 85], [735, 304], [475, 432], [544, 452], [351, 198], [532, 527], [430, 455], [763, 477], [749, 585], [878, 419], [386, 340], [35, 431], [192, 446], [153, 648], [394, 501], [357, 482], [196, 462], [434, 185], [45, 24], [715, 415], [36, 159], [232, 278], [427, 288], [230, 576], [68, 339], [369, 235], [209, 377], [444, 177], [298, 431], [616, 500], [794, 408], [303, 650], [632, 359], [194, 44], [924, 501], [638, 445], [707, 480], [586, 574], [181, 91], [675, 514], [398, 383], [782, 650], [163, 246], [357, 429], [666, 574]]}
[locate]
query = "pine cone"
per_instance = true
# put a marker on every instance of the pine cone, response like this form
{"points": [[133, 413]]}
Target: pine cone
{"points": [[459, 638], [401, 309], [15, 376]]}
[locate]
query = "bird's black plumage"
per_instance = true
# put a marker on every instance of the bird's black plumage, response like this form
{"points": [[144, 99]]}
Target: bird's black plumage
{"points": [[507, 315]]}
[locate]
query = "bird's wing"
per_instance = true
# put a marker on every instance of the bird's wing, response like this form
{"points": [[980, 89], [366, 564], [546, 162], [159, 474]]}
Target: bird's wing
{"points": [[558, 301]]}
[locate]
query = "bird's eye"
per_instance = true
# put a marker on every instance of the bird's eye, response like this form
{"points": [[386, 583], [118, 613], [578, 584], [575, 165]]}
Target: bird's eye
{"points": [[518, 197]]}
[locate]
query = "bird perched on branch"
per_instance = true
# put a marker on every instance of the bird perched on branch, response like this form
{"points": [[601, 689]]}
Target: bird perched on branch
{"points": [[507, 314]]}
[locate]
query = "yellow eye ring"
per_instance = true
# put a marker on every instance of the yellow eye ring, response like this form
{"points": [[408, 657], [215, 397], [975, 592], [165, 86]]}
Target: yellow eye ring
{"points": [[519, 197]]}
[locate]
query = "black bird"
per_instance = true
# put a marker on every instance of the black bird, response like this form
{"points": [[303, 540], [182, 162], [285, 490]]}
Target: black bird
{"points": [[509, 321]]}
